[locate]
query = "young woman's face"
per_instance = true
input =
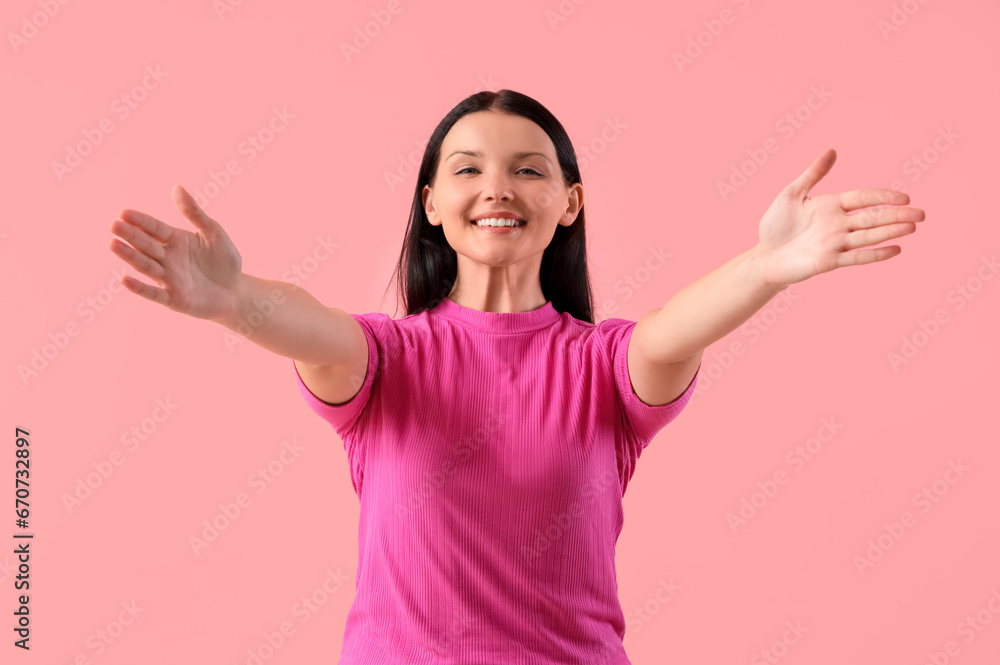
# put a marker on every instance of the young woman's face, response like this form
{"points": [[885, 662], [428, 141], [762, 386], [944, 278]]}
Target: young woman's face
{"points": [[497, 178]]}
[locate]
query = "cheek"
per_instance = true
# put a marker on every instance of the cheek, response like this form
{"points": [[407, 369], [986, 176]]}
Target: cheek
{"points": [[549, 193]]}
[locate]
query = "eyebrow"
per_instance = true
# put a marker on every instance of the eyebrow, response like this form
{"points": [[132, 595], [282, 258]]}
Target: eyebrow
{"points": [[476, 153]]}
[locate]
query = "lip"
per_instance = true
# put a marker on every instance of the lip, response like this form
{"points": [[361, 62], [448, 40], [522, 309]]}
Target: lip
{"points": [[499, 229]]}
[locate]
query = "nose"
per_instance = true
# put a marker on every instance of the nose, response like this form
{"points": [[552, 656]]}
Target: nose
{"points": [[498, 187]]}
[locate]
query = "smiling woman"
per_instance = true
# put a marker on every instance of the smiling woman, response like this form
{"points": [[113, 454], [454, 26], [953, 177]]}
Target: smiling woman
{"points": [[493, 429], [491, 432]]}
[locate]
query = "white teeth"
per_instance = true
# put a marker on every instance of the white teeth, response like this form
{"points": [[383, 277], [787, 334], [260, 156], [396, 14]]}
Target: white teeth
{"points": [[498, 221]]}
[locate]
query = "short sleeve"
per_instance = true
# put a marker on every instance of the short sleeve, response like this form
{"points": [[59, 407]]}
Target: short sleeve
{"points": [[344, 417], [643, 420]]}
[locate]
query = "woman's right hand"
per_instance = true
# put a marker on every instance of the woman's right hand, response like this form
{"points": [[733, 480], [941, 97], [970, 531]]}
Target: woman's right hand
{"points": [[198, 273]]}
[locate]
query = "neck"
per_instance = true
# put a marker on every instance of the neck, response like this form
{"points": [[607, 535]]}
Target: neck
{"points": [[499, 300]]}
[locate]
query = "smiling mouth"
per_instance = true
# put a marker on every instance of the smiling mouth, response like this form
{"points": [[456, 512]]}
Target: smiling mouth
{"points": [[499, 223]]}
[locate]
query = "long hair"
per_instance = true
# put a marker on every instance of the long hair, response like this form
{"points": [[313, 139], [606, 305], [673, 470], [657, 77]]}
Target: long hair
{"points": [[429, 266]]}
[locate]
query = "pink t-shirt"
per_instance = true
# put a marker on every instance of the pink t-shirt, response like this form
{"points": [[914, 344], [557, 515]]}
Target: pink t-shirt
{"points": [[490, 452]]}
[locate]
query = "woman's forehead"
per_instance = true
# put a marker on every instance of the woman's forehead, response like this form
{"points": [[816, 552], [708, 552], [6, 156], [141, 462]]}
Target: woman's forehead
{"points": [[496, 134]]}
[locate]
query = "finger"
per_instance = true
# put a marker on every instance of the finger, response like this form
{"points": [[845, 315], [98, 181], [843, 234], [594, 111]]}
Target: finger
{"points": [[862, 198], [880, 234], [147, 223], [137, 259], [863, 256], [873, 217], [138, 239], [800, 187], [190, 209], [147, 291]]}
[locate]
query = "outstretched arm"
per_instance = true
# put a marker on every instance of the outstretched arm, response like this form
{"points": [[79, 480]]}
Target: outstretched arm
{"points": [[799, 237], [201, 274]]}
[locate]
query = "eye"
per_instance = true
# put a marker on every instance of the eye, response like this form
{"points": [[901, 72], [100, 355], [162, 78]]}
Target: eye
{"points": [[474, 168]]}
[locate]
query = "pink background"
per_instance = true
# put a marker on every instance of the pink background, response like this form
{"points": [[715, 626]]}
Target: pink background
{"points": [[826, 356]]}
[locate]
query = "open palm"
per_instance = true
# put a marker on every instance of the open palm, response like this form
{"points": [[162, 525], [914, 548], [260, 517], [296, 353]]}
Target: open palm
{"points": [[801, 237], [197, 273]]}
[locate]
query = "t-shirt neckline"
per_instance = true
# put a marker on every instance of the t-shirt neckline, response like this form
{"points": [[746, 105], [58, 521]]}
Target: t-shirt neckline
{"points": [[498, 322]]}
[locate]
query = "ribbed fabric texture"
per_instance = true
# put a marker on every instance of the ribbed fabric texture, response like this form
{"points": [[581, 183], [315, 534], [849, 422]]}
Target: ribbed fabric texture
{"points": [[490, 452]]}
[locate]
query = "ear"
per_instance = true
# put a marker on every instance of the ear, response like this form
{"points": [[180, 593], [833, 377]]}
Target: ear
{"points": [[427, 197], [573, 205]]}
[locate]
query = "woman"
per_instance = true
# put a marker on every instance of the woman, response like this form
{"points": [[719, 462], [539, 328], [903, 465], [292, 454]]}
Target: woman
{"points": [[493, 429]]}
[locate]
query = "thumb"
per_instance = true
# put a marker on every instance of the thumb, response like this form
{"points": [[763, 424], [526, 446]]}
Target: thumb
{"points": [[190, 209], [800, 187]]}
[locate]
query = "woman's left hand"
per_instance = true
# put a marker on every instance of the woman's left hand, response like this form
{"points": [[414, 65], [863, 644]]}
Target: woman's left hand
{"points": [[801, 236]]}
